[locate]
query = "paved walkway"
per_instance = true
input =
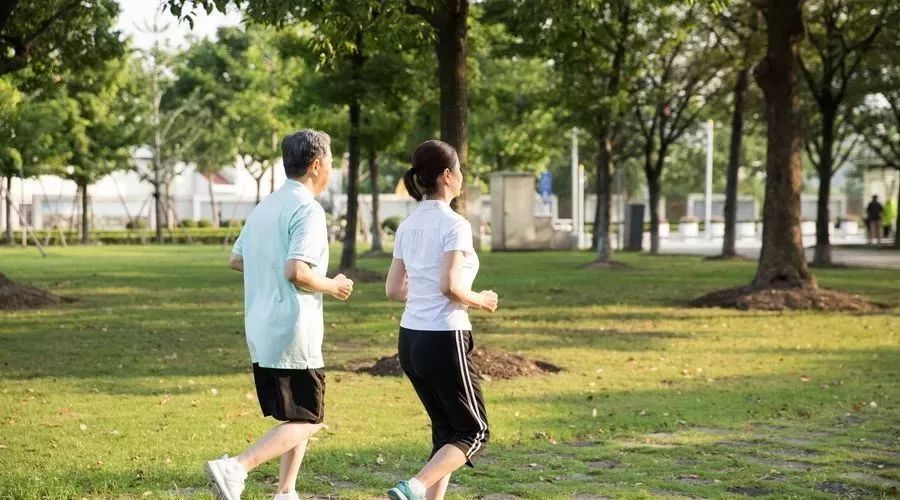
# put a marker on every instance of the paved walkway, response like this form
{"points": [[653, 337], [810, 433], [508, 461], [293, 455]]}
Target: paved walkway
{"points": [[850, 251]]}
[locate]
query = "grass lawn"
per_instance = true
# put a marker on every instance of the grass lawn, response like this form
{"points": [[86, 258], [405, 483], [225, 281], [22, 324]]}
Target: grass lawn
{"points": [[125, 392]]}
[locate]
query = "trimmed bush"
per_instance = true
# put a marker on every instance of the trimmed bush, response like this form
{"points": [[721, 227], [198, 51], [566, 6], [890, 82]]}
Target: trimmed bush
{"points": [[204, 223], [390, 224]]}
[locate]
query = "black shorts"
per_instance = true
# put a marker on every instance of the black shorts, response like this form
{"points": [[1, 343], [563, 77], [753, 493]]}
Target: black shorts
{"points": [[291, 395], [439, 366]]}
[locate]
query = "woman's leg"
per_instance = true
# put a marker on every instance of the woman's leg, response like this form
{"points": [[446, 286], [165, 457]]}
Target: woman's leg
{"points": [[438, 489], [446, 460], [290, 467], [276, 442]]}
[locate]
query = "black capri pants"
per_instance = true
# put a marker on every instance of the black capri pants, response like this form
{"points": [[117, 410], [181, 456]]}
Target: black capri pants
{"points": [[439, 366]]}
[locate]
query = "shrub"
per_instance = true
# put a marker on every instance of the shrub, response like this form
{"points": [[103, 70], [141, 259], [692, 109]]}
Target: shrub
{"points": [[136, 224], [187, 223], [390, 224], [204, 223]]}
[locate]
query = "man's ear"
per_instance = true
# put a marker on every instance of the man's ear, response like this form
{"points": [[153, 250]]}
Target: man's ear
{"points": [[315, 166]]}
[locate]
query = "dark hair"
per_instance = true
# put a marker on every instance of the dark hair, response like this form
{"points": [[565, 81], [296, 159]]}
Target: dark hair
{"points": [[301, 148], [429, 161]]}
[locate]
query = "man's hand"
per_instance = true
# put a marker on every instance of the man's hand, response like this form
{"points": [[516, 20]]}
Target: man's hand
{"points": [[343, 287]]}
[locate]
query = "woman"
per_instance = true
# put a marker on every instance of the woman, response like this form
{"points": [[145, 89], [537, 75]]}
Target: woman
{"points": [[432, 271]]}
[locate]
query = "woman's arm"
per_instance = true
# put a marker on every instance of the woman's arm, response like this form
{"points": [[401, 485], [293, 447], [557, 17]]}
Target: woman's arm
{"points": [[396, 287], [452, 286]]}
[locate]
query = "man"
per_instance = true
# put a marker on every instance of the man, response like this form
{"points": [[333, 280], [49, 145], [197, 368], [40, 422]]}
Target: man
{"points": [[873, 220], [283, 254]]}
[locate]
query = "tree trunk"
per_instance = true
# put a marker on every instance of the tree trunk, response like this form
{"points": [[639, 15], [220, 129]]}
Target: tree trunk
{"points": [[85, 214], [158, 208], [897, 224], [348, 254], [734, 162], [373, 178], [451, 54], [781, 261], [822, 254], [653, 188], [8, 213], [604, 196], [258, 187], [213, 206]]}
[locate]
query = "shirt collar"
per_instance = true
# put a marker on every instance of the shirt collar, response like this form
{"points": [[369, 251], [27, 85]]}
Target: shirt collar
{"points": [[433, 204], [295, 184]]}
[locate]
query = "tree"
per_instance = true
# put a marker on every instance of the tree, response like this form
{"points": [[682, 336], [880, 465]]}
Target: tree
{"points": [[49, 35], [104, 125], [447, 20], [877, 121], [33, 138], [450, 21], [781, 261], [172, 124], [206, 71], [590, 46], [840, 34], [740, 39], [680, 75]]}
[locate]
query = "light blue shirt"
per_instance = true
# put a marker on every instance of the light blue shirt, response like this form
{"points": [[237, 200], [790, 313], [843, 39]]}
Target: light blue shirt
{"points": [[284, 325]]}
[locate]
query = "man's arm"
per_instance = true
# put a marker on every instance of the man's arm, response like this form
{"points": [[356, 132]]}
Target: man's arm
{"points": [[302, 276], [236, 262]]}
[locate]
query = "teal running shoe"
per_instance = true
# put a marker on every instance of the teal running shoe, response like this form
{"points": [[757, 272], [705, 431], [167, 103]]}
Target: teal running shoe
{"points": [[403, 492]]}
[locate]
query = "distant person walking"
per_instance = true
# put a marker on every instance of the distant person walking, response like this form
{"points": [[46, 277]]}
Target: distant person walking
{"points": [[433, 269], [283, 253], [873, 220]]}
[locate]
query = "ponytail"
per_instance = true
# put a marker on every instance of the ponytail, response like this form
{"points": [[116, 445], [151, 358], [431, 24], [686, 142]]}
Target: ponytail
{"points": [[409, 180], [429, 161]]}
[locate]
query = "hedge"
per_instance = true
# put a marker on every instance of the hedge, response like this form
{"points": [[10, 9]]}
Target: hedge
{"points": [[212, 235]]}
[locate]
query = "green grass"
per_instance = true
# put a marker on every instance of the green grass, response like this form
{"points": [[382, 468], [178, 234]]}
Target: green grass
{"points": [[112, 395]]}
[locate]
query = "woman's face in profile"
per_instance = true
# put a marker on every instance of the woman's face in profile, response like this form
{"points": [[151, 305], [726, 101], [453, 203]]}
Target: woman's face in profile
{"points": [[456, 180]]}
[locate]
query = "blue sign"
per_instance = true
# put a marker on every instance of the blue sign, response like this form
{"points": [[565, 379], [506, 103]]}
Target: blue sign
{"points": [[545, 187]]}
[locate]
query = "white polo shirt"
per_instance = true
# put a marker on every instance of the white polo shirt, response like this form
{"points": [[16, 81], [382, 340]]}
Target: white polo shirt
{"points": [[422, 240], [284, 325]]}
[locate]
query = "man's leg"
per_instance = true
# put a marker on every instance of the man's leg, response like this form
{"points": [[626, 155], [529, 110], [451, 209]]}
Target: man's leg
{"points": [[438, 489], [276, 442], [290, 467]]}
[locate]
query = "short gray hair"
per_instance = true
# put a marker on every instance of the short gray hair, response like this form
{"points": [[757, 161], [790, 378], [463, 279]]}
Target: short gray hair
{"points": [[301, 148]]}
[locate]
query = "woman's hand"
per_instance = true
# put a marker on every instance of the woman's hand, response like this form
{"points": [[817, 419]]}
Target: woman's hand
{"points": [[489, 300]]}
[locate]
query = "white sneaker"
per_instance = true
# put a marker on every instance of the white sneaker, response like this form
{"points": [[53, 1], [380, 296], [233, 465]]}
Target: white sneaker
{"points": [[226, 477], [287, 496]]}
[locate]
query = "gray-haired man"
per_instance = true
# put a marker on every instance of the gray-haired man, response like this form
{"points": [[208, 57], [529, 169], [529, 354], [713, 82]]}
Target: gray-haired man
{"points": [[283, 254]]}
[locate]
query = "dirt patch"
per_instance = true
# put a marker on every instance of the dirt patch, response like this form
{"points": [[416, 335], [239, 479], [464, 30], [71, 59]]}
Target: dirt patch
{"points": [[388, 366], [360, 275], [750, 491], [836, 488], [489, 364], [16, 296], [748, 298]]}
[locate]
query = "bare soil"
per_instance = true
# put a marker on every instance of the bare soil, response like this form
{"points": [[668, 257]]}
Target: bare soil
{"points": [[748, 298], [489, 364], [17, 296]]}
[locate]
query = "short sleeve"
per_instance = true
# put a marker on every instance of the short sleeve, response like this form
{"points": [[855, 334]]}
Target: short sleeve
{"points": [[398, 237], [238, 248], [459, 237], [308, 234]]}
